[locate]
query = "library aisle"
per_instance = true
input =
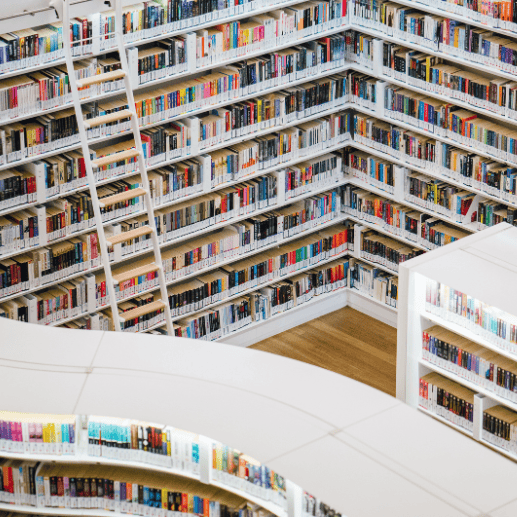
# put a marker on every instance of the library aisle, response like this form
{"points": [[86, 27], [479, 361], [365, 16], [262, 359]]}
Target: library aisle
{"points": [[346, 342]]}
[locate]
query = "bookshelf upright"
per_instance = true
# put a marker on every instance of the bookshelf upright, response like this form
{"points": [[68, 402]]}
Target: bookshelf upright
{"points": [[456, 331]]}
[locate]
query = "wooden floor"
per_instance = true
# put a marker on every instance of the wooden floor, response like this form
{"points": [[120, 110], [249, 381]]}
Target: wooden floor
{"points": [[346, 342]]}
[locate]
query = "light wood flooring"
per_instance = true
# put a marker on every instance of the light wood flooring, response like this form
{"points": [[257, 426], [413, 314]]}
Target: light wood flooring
{"points": [[346, 342]]}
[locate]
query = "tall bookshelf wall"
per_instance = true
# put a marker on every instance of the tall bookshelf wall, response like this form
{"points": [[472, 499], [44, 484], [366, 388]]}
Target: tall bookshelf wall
{"points": [[403, 147]]}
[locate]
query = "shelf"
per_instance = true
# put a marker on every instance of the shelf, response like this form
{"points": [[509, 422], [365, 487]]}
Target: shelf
{"points": [[471, 385], [445, 421], [380, 229], [469, 334], [416, 129], [198, 70], [459, 17], [428, 172], [267, 505], [356, 25], [500, 450], [288, 313], [260, 286], [192, 27]]}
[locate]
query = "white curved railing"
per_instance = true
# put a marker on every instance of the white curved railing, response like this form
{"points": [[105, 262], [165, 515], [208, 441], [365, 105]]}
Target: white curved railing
{"points": [[359, 450]]}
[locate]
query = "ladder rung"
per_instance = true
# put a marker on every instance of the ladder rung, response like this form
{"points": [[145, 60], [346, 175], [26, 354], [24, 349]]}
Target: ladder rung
{"points": [[101, 78], [116, 157], [141, 311], [106, 119], [133, 273], [127, 236], [123, 196]]}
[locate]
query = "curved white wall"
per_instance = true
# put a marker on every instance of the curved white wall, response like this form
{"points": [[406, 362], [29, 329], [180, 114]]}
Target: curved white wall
{"points": [[362, 452]]}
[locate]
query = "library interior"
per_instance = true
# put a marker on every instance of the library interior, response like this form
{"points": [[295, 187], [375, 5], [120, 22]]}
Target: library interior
{"points": [[258, 258]]}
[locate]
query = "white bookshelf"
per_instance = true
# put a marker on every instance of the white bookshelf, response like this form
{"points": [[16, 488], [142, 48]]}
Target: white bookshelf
{"points": [[195, 68], [482, 266]]}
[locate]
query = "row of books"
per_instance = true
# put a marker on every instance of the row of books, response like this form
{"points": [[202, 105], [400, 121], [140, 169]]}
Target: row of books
{"points": [[374, 282], [454, 38], [37, 433], [27, 271], [495, 15], [371, 170], [67, 172], [432, 74], [133, 440], [470, 361], [44, 44], [496, 326], [455, 403], [74, 299], [386, 251], [59, 129], [264, 303], [214, 287], [164, 143], [447, 121], [447, 399], [49, 264], [359, 48], [124, 490], [50, 88], [279, 27], [488, 176], [250, 234], [311, 506], [398, 219], [235, 468], [437, 195]]}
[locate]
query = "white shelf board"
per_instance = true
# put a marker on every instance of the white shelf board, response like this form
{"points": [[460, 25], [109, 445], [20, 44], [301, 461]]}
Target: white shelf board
{"points": [[500, 450], [283, 321], [469, 334], [471, 385], [267, 505], [99, 460], [445, 421]]}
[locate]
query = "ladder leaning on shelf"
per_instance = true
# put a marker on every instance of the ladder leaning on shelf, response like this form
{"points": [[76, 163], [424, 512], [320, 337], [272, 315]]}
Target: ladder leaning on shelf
{"points": [[63, 8]]}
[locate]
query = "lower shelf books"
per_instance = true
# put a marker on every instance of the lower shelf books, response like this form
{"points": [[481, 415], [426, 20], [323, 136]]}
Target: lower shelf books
{"points": [[386, 251], [120, 489], [398, 219], [500, 428], [470, 361], [370, 169], [372, 281], [447, 399]]}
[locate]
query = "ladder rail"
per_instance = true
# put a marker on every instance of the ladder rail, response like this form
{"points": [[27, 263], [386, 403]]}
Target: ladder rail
{"points": [[142, 166], [88, 165]]}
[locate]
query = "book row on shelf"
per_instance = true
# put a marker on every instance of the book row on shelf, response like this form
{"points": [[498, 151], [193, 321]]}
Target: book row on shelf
{"points": [[187, 299], [461, 41], [96, 462], [157, 20], [455, 403], [49, 89]]}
